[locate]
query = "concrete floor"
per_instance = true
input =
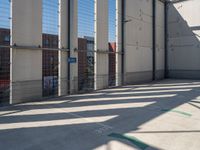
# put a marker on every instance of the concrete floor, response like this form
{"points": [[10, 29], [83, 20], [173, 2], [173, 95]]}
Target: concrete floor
{"points": [[159, 115]]}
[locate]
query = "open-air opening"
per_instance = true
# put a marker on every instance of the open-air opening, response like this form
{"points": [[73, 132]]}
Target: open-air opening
{"points": [[85, 45], [112, 42], [50, 41]]}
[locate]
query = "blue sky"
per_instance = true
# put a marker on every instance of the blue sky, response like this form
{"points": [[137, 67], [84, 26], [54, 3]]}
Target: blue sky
{"points": [[50, 17], [4, 14]]}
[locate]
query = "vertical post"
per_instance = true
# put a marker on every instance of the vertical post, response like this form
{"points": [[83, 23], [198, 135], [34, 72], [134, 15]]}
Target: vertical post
{"points": [[122, 39], [154, 37], [73, 45], [11, 62], [166, 39], [69, 35], [119, 42], [63, 43], [26, 64], [101, 44]]}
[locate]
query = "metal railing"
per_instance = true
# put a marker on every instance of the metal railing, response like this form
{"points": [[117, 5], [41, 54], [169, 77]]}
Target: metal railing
{"points": [[50, 47]]}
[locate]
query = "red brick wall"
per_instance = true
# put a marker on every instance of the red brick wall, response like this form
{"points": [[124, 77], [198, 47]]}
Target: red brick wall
{"points": [[50, 58], [112, 61], [82, 60], [4, 55], [50, 64], [4, 65]]}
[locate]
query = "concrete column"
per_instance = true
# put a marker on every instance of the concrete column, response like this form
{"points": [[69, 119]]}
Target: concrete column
{"points": [[26, 64], [63, 43], [138, 41], [74, 45], [160, 40], [119, 43], [101, 44]]}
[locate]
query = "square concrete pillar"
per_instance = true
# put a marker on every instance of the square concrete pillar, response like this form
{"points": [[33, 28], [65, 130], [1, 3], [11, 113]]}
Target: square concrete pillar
{"points": [[119, 42], [26, 63], [101, 44], [63, 44], [138, 41], [74, 45], [160, 40]]}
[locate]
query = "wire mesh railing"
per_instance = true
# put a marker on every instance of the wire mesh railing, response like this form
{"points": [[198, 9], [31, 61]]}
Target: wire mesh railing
{"points": [[85, 45], [112, 42], [4, 51], [50, 28], [50, 40]]}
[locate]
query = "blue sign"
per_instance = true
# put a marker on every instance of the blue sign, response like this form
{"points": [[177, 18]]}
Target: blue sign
{"points": [[72, 60]]}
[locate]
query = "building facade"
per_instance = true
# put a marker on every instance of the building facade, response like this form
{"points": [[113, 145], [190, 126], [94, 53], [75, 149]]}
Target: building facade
{"points": [[50, 65], [112, 63], [4, 65]]}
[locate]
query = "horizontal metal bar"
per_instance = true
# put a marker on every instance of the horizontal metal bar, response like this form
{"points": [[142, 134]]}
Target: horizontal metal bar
{"points": [[97, 51], [34, 48], [57, 49]]}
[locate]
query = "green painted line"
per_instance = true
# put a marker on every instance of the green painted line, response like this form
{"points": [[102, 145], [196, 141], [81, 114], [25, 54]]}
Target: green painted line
{"points": [[133, 140], [177, 111]]}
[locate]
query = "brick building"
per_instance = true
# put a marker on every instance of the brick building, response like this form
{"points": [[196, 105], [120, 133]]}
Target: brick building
{"points": [[86, 63], [4, 65], [112, 63], [82, 62], [50, 65]]}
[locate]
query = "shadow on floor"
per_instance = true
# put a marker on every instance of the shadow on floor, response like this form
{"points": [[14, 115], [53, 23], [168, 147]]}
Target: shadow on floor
{"points": [[85, 121]]}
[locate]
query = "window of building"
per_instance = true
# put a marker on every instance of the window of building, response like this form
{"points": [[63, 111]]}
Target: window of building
{"points": [[46, 42], [6, 38]]}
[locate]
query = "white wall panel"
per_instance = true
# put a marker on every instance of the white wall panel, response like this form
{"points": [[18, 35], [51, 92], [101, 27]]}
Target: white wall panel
{"points": [[26, 64], [74, 45], [63, 43], [101, 44], [160, 39], [138, 40]]}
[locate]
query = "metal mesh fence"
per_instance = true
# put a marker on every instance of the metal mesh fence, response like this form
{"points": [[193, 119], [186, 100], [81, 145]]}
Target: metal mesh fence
{"points": [[112, 42], [85, 45], [50, 15], [4, 52], [50, 40]]}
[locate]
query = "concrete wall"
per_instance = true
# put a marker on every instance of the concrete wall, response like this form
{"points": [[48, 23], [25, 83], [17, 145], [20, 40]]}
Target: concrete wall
{"points": [[138, 41], [101, 44], [160, 40], [26, 64], [183, 39], [63, 43]]}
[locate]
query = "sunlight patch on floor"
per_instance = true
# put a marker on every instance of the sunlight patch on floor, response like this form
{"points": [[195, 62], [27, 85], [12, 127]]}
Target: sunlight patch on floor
{"points": [[168, 87], [147, 92], [123, 98], [81, 109], [53, 123]]}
